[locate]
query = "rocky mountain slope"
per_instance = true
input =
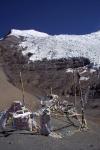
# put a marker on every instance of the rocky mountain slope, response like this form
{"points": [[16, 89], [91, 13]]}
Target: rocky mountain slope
{"points": [[43, 59]]}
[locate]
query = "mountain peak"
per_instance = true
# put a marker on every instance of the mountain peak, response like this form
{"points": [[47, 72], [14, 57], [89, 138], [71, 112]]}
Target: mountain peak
{"points": [[27, 33]]}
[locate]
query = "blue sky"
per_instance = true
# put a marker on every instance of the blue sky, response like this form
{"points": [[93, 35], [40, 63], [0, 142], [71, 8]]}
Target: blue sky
{"points": [[50, 16]]}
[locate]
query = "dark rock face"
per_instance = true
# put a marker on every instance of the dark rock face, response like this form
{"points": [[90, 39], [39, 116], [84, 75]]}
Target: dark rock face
{"points": [[38, 76]]}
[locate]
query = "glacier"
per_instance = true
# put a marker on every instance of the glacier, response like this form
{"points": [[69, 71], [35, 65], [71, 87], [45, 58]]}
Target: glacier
{"points": [[42, 45]]}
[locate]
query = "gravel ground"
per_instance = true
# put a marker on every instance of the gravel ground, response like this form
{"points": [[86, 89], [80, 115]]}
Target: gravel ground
{"points": [[71, 139]]}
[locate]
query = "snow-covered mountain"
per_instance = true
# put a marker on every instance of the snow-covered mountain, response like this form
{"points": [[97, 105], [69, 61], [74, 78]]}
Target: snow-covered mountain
{"points": [[42, 45], [39, 76]]}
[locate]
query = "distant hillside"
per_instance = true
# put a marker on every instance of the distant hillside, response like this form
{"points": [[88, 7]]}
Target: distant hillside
{"points": [[43, 59], [9, 93]]}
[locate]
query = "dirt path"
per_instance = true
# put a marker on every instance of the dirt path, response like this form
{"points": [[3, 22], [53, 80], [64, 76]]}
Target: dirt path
{"points": [[89, 140]]}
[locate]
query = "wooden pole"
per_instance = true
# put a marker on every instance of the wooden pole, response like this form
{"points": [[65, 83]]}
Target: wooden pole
{"points": [[83, 124], [74, 73], [22, 86]]}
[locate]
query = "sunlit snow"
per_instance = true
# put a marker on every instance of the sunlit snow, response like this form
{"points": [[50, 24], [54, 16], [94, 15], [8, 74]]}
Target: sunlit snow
{"points": [[42, 45]]}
